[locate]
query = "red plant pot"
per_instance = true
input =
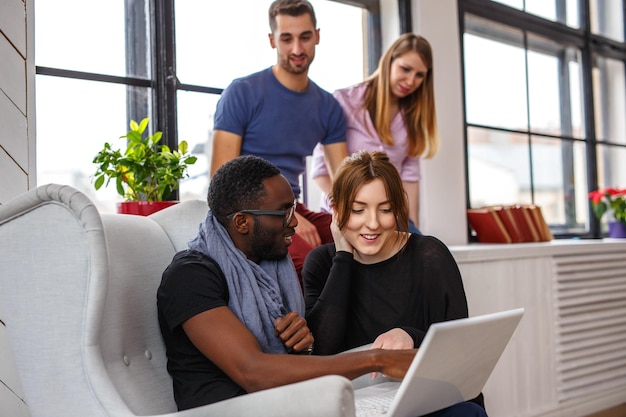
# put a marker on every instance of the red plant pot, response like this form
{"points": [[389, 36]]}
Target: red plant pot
{"points": [[143, 208]]}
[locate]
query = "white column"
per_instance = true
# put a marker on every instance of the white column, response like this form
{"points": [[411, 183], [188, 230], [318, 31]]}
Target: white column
{"points": [[442, 190]]}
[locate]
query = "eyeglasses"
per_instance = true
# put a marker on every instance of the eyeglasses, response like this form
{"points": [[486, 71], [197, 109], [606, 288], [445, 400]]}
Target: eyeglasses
{"points": [[287, 215]]}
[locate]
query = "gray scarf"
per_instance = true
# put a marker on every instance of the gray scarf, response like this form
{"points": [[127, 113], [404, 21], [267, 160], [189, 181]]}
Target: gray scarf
{"points": [[258, 293]]}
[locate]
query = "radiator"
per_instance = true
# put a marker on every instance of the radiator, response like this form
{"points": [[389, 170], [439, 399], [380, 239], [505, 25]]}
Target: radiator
{"points": [[590, 301]]}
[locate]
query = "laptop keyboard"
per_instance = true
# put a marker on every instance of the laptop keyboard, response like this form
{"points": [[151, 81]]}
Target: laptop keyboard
{"points": [[375, 405]]}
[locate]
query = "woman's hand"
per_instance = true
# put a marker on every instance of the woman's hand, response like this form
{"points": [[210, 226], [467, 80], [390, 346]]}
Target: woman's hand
{"points": [[393, 339], [341, 243]]}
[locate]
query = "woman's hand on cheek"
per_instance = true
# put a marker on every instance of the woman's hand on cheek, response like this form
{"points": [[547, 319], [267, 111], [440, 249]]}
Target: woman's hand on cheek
{"points": [[341, 243]]}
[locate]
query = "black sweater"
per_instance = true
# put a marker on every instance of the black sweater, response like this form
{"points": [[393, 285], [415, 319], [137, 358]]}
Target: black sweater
{"points": [[349, 304]]}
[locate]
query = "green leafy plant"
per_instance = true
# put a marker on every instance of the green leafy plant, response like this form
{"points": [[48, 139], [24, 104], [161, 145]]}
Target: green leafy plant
{"points": [[609, 199], [145, 171]]}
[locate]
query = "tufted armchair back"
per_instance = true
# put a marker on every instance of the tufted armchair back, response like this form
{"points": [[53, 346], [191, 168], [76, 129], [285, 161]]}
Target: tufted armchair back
{"points": [[78, 298]]}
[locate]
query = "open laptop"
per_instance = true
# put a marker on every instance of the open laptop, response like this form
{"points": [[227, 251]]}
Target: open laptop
{"points": [[452, 365]]}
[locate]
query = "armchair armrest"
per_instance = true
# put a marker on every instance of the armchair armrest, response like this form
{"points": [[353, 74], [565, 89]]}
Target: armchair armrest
{"points": [[327, 396]]}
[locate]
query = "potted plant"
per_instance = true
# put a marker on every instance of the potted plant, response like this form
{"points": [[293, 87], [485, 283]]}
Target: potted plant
{"points": [[613, 201], [146, 173]]}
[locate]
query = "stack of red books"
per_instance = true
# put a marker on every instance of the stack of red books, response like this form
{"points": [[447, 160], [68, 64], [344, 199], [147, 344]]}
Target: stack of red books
{"points": [[509, 224]]}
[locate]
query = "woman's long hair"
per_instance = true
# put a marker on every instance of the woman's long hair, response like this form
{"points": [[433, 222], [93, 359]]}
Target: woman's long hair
{"points": [[418, 108]]}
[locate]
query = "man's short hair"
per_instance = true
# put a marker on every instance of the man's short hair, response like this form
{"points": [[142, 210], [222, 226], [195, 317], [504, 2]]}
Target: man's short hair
{"points": [[238, 185], [290, 8]]}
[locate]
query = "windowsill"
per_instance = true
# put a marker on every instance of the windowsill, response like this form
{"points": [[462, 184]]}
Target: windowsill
{"points": [[477, 252]]}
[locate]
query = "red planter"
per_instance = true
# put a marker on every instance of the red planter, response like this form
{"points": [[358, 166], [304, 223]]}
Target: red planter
{"points": [[143, 208]]}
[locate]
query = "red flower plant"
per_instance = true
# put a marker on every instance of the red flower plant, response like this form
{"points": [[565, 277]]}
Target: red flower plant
{"points": [[613, 199]]}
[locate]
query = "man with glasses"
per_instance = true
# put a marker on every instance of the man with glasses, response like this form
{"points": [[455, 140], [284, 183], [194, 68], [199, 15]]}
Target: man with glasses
{"points": [[280, 115], [230, 306]]}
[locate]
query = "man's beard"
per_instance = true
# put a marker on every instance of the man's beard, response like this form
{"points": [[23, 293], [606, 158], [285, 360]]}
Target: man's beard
{"points": [[264, 245], [286, 64]]}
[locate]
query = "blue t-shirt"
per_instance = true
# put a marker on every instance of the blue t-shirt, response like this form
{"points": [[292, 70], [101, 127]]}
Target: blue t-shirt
{"points": [[278, 124]]}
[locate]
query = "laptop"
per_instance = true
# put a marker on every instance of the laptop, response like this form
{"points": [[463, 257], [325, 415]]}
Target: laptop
{"points": [[451, 366]]}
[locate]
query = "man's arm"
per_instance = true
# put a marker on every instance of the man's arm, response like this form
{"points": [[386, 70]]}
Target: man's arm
{"points": [[334, 154], [226, 146], [222, 338]]}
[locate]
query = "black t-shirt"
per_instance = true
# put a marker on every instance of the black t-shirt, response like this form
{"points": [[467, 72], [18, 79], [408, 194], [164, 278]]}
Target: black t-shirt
{"points": [[348, 304], [191, 284]]}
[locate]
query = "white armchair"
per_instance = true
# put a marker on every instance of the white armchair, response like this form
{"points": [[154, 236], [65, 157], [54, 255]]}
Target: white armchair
{"points": [[78, 297]]}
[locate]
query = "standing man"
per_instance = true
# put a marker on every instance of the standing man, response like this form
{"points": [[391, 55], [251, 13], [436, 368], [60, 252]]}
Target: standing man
{"points": [[230, 308], [279, 114]]}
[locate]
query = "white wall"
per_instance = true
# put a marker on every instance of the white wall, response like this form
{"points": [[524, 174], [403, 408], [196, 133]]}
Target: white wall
{"points": [[17, 151], [442, 190], [17, 155]]}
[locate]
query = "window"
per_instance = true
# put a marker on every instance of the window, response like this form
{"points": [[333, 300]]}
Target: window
{"points": [[544, 105], [607, 19], [98, 66]]}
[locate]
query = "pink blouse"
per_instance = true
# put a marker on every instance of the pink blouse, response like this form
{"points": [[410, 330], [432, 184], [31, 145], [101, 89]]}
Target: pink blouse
{"points": [[362, 135]]}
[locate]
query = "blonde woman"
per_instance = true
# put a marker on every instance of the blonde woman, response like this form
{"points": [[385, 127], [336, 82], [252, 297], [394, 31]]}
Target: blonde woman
{"points": [[393, 111]]}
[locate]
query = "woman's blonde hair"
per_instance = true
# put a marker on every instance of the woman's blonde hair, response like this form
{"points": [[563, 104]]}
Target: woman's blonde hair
{"points": [[418, 108], [361, 168]]}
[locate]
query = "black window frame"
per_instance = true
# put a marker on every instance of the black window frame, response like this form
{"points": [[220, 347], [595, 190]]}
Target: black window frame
{"points": [[590, 45]]}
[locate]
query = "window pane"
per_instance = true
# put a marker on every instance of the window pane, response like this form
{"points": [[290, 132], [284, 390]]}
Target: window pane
{"points": [[338, 65], [71, 131], [518, 4], [610, 100], [195, 125], [212, 52], [559, 177], [542, 8], [495, 82], [544, 93], [554, 88], [611, 166], [499, 167], [576, 97], [581, 190], [572, 13], [83, 35], [607, 18]]}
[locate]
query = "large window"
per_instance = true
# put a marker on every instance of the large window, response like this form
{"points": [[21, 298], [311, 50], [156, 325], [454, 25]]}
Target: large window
{"points": [[100, 65], [545, 104]]}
